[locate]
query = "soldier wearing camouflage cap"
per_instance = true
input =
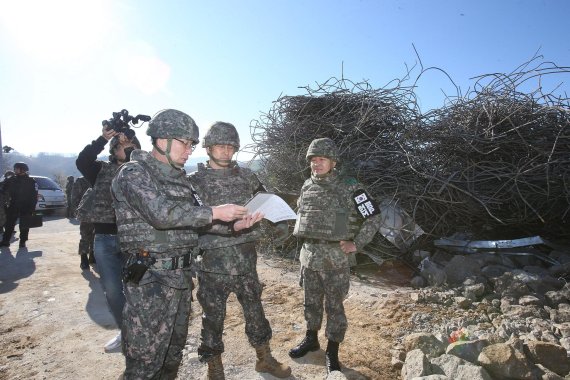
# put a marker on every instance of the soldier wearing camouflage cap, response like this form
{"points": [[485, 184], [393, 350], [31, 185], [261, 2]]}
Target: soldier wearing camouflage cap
{"points": [[228, 261], [158, 214], [336, 218]]}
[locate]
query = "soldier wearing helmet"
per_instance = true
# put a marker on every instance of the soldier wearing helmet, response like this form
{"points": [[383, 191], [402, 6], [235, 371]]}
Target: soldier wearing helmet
{"points": [[100, 212], [22, 193], [336, 218], [223, 139], [158, 214], [174, 136], [228, 261]]}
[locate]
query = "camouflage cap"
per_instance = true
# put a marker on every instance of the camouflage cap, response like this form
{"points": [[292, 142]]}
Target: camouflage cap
{"points": [[115, 141], [170, 123], [323, 147], [221, 133]]}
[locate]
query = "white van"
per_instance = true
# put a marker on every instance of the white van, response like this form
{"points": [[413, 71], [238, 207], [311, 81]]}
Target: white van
{"points": [[50, 195]]}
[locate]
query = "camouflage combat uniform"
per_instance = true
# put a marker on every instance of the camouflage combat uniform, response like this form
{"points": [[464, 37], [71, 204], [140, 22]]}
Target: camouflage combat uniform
{"points": [[228, 261], [152, 207], [86, 229], [327, 215], [68, 190]]}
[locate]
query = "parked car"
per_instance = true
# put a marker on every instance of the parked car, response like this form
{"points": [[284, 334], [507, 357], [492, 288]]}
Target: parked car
{"points": [[50, 195]]}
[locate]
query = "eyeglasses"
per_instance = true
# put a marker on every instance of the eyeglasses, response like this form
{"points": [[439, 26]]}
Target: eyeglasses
{"points": [[188, 144]]}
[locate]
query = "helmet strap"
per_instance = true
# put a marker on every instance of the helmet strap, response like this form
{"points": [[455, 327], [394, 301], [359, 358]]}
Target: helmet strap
{"points": [[223, 163], [167, 153]]}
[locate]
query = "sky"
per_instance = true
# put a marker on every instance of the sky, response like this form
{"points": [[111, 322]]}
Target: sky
{"points": [[66, 65]]}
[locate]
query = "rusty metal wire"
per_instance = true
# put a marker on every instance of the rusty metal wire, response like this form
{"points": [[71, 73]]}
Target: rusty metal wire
{"points": [[494, 162]]}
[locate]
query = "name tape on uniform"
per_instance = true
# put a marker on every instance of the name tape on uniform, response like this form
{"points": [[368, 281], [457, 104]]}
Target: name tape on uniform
{"points": [[365, 205], [195, 197]]}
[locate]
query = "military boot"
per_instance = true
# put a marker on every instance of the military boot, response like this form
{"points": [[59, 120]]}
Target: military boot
{"points": [[310, 343], [267, 363], [331, 357], [84, 262], [215, 369]]}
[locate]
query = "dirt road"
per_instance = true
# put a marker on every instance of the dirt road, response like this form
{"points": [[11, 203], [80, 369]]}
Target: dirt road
{"points": [[54, 320]]}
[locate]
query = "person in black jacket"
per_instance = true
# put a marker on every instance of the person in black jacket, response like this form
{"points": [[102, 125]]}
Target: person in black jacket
{"points": [[22, 190], [102, 214]]}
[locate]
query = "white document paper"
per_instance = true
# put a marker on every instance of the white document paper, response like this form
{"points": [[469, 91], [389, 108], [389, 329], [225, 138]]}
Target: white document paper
{"points": [[272, 206]]}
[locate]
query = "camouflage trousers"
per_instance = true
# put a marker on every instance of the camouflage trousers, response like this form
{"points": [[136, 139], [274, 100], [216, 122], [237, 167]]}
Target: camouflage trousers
{"points": [[87, 234], [155, 327], [213, 292], [331, 286]]}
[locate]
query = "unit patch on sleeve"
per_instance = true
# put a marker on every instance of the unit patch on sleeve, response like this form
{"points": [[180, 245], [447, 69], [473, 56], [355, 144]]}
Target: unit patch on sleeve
{"points": [[365, 205]]}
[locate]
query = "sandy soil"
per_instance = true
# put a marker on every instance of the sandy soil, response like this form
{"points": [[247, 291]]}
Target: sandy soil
{"points": [[54, 320]]}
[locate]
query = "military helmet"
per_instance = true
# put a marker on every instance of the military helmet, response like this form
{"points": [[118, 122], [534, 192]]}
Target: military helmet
{"points": [[22, 166], [173, 124], [221, 133], [323, 147]]}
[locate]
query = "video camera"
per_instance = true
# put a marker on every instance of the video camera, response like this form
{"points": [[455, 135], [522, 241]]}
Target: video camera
{"points": [[122, 122]]}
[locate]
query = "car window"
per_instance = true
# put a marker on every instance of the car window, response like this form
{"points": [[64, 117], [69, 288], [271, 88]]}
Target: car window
{"points": [[46, 184]]}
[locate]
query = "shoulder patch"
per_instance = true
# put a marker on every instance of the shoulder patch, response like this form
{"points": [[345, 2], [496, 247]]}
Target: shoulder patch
{"points": [[365, 205]]}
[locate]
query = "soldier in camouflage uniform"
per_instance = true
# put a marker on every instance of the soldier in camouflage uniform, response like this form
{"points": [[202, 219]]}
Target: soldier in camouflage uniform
{"points": [[336, 218], [68, 188], [86, 229], [158, 213], [228, 261], [102, 215]]}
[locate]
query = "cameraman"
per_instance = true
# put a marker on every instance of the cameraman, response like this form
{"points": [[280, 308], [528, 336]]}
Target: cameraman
{"points": [[106, 246]]}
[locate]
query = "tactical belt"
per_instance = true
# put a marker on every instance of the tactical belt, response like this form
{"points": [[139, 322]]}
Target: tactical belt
{"points": [[176, 262], [321, 241]]}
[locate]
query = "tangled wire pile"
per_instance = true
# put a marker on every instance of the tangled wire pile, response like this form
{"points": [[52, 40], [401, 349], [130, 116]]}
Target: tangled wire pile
{"points": [[494, 163], [367, 124]]}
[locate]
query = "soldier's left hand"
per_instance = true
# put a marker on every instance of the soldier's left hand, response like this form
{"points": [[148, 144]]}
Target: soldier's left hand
{"points": [[347, 246], [248, 221]]}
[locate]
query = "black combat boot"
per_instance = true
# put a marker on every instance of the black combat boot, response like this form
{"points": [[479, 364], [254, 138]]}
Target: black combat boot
{"points": [[84, 262], [310, 343], [331, 357]]}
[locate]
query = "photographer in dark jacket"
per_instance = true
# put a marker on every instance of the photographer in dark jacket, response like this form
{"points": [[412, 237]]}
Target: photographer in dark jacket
{"points": [[102, 215], [22, 190]]}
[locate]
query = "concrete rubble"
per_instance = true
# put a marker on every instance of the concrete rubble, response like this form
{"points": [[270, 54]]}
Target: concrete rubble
{"points": [[510, 314]]}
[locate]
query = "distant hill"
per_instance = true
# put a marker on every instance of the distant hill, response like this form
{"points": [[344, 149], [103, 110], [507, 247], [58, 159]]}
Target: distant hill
{"points": [[59, 167]]}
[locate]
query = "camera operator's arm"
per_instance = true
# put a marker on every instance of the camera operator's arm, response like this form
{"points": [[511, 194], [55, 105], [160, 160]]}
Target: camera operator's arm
{"points": [[87, 162]]}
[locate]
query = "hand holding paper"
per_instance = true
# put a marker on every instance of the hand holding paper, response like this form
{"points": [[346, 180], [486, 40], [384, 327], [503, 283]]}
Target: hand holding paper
{"points": [[272, 206], [248, 221]]}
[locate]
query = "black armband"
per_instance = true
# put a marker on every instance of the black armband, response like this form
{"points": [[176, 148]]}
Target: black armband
{"points": [[365, 205]]}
